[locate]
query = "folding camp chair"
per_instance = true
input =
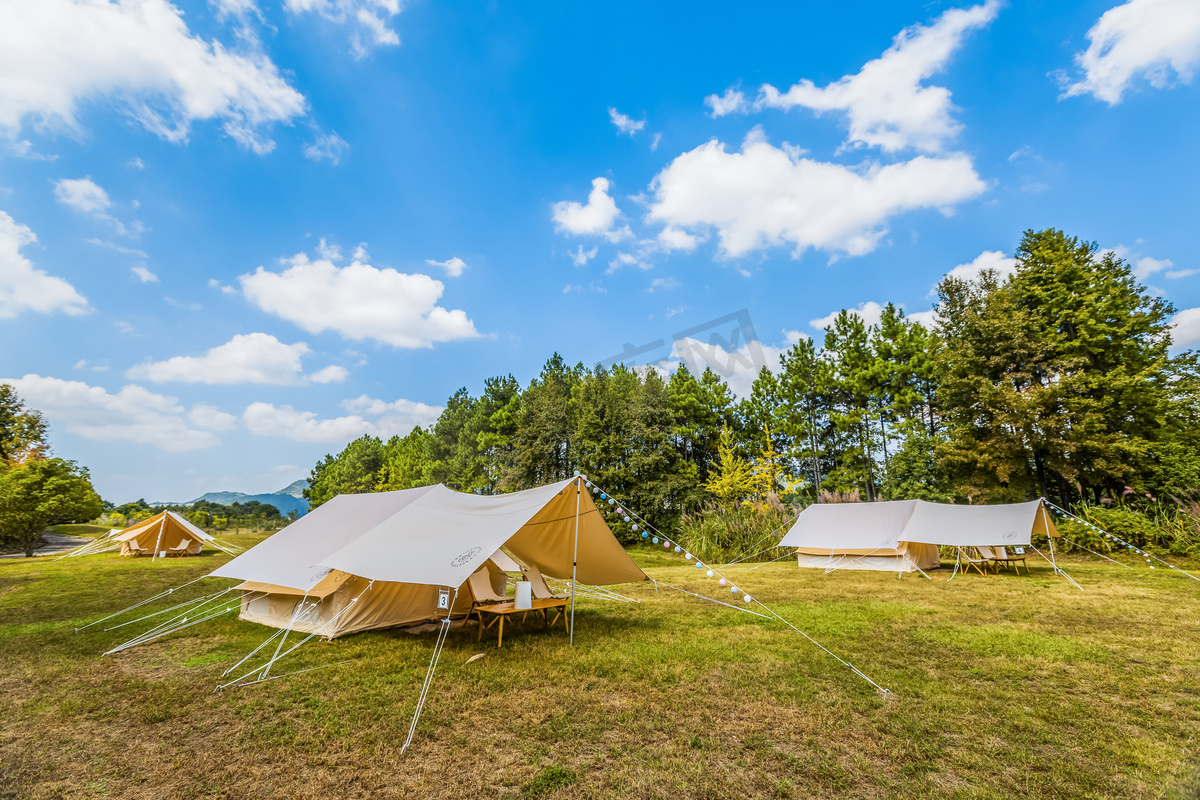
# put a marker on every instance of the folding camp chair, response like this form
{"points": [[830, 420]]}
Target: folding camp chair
{"points": [[966, 561], [180, 549], [134, 547], [540, 590], [1001, 558]]}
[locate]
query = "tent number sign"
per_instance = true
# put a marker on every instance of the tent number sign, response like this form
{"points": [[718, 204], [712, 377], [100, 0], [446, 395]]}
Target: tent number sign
{"points": [[443, 598]]}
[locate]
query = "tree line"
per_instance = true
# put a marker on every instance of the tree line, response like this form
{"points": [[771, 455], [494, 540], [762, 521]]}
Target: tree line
{"points": [[1053, 381]]}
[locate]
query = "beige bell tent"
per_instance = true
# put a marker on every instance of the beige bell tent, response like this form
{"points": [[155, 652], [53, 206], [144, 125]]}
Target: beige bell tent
{"points": [[903, 535], [165, 534], [365, 561]]}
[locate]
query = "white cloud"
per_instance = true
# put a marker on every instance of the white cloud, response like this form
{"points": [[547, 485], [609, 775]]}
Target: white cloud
{"points": [[358, 301], [670, 238], [666, 283], [596, 218], [926, 319], [330, 252], [23, 287], [143, 274], [87, 197], [454, 267], [328, 147], [1186, 333], [869, 312], [211, 418], [128, 251], [58, 54], [368, 18], [988, 259], [627, 260], [133, 414], [794, 337], [765, 196], [331, 374], [732, 102], [580, 257], [82, 194], [135, 163], [1146, 38], [366, 416], [885, 102], [625, 124], [1176, 274], [246, 358], [1145, 267], [739, 367], [654, 142]]}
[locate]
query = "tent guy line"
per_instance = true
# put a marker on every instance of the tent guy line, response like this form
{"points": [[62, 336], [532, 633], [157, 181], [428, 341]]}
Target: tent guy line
{"points": [[1063, 512], [749, 598]]}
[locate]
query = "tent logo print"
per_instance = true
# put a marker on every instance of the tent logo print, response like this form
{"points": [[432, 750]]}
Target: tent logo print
{"points": [[465, 557], [888, 543], [1010, 535]]}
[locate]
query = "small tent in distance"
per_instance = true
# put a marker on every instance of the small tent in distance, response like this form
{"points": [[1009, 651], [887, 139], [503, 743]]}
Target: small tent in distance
{"points": [[164, 534], [904, 535], [366, 561]]}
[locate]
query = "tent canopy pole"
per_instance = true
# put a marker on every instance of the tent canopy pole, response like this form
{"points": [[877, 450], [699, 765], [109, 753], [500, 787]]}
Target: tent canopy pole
{"points": [[575, 558]]}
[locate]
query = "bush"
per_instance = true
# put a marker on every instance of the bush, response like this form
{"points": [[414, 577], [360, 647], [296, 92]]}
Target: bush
{"points": [[1173, 529], [717, 535]]}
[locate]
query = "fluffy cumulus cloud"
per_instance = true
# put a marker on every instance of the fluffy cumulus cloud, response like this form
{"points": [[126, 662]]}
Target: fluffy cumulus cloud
{"points": [[23, 287], [625, 123], [869, 312], [988, 259], [369, 20], [358, 301], [597, 217], [738, 366], [732, 102], [246, 358], [133, 414], [766, 196], [1158, 40], [57, 54], [886, 103], [1186, 332], [454, 266], [365, 415]]}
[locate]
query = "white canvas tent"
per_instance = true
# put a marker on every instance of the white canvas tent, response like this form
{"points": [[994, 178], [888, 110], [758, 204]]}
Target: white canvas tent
{"points": [[903, 535], [314, 574]]}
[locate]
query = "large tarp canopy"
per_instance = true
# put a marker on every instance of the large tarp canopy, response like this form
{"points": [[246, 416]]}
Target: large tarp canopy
{"points": [[863, 527], [437, 537]]}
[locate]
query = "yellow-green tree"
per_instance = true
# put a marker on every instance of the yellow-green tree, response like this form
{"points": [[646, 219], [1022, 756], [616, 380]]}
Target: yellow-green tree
{"points": [[733, 479]]}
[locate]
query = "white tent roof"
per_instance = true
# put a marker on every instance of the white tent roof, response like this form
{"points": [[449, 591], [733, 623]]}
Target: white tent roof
{"points": [[968, 526], [436, 536], [850, 526], [866, 526], [291, 557]]}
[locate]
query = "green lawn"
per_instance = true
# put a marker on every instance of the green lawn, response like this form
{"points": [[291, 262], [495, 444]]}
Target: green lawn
{"points": [[1004, 686]]}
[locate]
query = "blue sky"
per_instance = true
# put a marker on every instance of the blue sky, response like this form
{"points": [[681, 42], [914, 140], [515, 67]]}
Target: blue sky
{"points": [[236, 234]]}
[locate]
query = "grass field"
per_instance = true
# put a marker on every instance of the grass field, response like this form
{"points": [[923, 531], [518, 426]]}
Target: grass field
{"points": [[1004, 687]]}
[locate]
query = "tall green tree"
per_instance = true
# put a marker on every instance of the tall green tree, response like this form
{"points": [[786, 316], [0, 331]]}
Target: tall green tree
{"points": [[40, 492], [23, 430], [355, 471]]}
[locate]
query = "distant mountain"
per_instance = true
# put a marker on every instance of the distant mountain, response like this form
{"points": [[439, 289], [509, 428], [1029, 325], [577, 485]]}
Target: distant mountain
{"points": [[289, 498]]}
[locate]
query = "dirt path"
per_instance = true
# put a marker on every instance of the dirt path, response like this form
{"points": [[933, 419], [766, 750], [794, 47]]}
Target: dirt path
{"points": [[55, 545]]}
